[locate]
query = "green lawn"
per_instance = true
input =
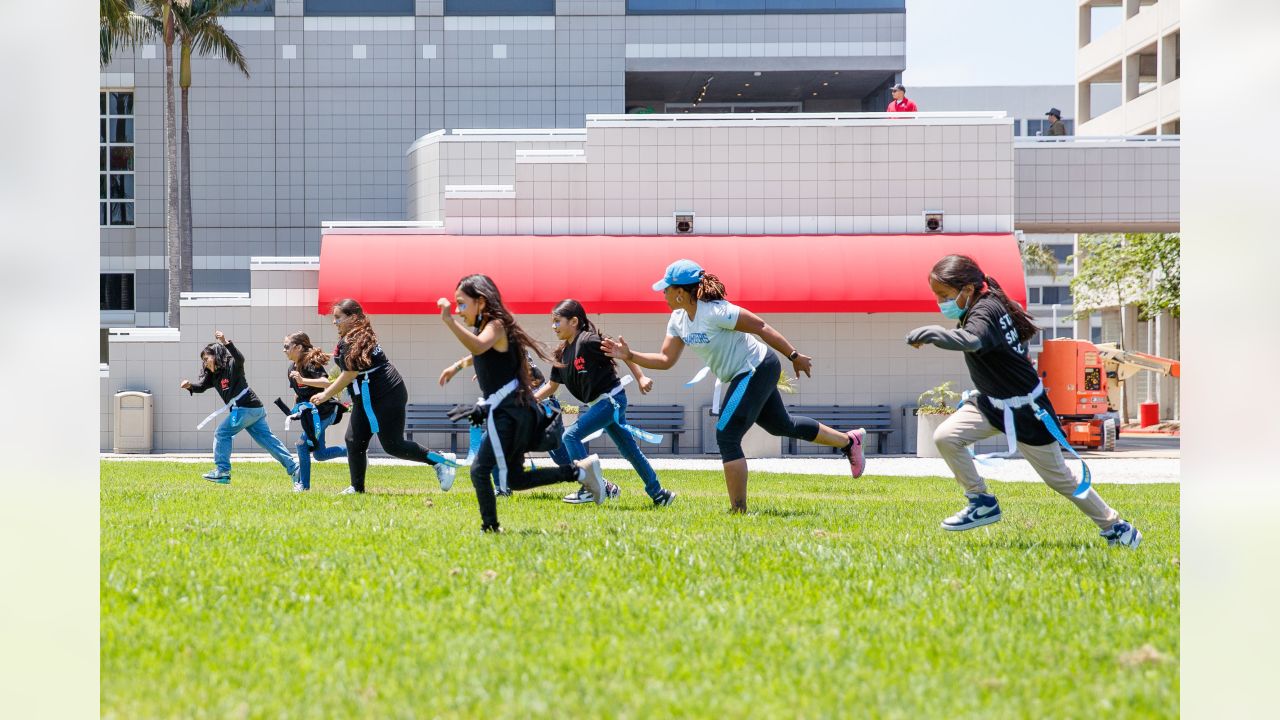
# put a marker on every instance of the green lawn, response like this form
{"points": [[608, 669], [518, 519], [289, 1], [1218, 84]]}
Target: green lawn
{"points": [[833, 598]]}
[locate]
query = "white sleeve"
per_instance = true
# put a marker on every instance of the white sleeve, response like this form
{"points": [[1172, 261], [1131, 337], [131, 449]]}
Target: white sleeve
{"points": [[724, 314], [673, 329]]}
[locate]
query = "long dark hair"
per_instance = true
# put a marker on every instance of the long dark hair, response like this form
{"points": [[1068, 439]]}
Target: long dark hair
{"points": [[570, 309], [708, 288], [960, 271], [221, 357], [311, 355], [360, 338], [482, 286]]}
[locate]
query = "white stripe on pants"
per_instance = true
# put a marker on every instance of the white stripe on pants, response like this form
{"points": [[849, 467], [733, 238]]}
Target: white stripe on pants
{"points": [[968, 426]]}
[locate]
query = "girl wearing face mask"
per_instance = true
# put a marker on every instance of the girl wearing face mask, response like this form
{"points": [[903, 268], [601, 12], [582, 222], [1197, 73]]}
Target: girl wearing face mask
{"points": [[591, 377], [992, 332], [378, 399], [223, 370], [735, 343], [307, 378], [499, 351]]}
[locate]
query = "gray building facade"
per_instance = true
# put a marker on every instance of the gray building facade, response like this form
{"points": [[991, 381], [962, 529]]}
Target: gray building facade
{"points": [[340, 89]]}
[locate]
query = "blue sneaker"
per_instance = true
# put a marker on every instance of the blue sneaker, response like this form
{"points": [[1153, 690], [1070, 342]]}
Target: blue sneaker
{"points": [[981, 510], [222, 478], [1123, 534]]}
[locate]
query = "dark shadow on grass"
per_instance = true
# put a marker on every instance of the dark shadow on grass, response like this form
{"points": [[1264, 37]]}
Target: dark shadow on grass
{"points": [[783, 512]]}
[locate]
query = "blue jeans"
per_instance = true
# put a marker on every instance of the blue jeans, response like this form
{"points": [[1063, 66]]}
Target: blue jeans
{"points": [[253, 420], [321, 453], [601, 415]]}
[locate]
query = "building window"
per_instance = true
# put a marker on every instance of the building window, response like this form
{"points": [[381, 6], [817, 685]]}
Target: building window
{"points": [[729, 7], [1041, 127], [115, 291], [260, 8], [1052, 295], [358, 8], [115, 158], [499, 7], [1095, 335], [1062, 252], [1033, 296]]}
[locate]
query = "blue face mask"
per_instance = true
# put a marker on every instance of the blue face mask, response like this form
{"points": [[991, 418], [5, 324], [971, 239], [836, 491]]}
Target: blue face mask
{"points": [[950, 309]]}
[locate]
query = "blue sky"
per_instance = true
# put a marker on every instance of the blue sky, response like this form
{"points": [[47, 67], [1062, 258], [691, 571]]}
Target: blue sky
{"points": [[990, 42]]}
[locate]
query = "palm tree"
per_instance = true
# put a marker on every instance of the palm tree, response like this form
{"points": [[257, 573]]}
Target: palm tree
{"points": [[119, 27], [198, 30]]}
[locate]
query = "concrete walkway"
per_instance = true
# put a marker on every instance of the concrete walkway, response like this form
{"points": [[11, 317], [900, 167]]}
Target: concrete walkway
{"points": [[1124, 468]]}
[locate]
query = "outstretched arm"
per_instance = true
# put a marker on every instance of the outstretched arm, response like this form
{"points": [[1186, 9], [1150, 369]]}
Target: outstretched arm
{"points": [[958, 339], [754, 324], [664, 360]]}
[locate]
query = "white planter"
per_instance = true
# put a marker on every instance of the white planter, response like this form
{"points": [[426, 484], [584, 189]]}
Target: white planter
{"points": [[925, 427]]}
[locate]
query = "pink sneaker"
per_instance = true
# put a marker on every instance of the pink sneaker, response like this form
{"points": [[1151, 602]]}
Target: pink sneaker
{"points": [[857, 463]]}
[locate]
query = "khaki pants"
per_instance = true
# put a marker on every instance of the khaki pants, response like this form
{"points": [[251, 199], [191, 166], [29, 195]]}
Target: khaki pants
{"points": [[968, 426]]}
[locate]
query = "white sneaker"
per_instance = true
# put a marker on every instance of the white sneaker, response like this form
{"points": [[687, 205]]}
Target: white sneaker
{"points": [[446, 473], [592, 477], [297, 487], [579, 496], [349, 491]]}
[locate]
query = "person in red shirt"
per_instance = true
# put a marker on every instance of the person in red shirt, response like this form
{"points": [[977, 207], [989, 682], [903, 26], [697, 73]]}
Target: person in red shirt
{"points": [[900, 102]]}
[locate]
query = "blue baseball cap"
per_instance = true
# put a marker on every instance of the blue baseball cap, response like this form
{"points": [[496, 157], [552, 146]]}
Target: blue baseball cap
{"points": [[680, 272]]}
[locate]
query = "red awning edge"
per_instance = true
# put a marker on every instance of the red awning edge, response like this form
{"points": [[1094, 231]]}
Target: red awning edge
{"points": [[406, 274]]}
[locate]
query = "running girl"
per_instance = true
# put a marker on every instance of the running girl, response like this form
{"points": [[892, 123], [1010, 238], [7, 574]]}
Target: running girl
{"points": [[735, 343], [992, 332], [307, 378], [223, 370], [498, 346], [378, 397], [591, 377]]}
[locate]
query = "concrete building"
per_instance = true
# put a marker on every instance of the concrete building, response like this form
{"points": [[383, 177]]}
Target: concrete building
{"points": [[1128, 67], [340, 88]]}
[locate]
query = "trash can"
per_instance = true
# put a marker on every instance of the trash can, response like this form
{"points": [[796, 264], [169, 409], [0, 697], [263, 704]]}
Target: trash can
{"points": [[1149, 414], [908, 429], [132, 418]]}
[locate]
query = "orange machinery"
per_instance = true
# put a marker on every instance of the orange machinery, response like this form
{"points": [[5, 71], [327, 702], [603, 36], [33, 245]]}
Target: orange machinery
{"points": [[1084, 381]]}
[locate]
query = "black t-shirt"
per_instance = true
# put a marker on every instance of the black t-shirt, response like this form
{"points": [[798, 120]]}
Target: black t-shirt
{"points": [[380, 381], [495, 369], [587, 371], [228, 381], [304, 393], [1000, 368]]}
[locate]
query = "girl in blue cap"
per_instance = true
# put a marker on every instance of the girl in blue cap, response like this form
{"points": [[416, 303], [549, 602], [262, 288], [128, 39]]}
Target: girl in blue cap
{"points": [[734, 343]]}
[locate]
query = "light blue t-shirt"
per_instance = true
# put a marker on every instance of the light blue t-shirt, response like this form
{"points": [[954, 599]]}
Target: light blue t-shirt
{"points": [[710, 334]]}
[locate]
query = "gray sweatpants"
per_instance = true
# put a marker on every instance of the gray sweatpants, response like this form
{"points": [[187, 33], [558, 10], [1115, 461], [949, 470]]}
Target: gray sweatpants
{"points": [[968, 426]]}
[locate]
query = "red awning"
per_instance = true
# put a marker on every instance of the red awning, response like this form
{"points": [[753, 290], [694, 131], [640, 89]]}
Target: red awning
{"points": [[405, 274]]}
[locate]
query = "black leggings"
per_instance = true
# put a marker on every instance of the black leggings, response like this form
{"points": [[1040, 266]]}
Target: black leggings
{"points": [[760, 404], [514, 425], [388, 406]]}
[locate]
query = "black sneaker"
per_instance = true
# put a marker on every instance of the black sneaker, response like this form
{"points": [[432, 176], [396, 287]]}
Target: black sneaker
{"points": [[981, 510], [1122, 534], [665, 497], [611, 491]]}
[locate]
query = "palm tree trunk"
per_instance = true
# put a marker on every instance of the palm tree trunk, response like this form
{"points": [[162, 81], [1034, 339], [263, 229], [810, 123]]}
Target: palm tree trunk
{"points": [[172, 235], [188, 265]]}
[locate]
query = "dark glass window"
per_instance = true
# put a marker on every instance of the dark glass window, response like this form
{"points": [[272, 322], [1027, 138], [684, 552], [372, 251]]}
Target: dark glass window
{"points": [[499, 7], [1062, 252], [357, 7], [685, 7], [254, 7], [115, 291], [115, 158]]}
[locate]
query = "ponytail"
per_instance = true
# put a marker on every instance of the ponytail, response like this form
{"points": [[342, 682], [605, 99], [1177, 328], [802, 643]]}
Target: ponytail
{"points": [[1022, 320], [707, 289]]}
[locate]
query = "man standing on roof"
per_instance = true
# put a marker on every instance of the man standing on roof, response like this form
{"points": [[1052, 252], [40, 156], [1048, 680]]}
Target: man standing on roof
{"points": [[900, 102]]}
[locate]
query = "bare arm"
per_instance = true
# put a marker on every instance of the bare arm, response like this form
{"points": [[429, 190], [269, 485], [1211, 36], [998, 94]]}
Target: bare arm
{"points": [[754, 324], [672, 347], [547, 389], [645, 384], [475, 343], [344, 379], [447, 374]]}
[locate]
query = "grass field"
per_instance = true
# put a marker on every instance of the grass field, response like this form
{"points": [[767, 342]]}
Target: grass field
{"points": [[833, 598]]}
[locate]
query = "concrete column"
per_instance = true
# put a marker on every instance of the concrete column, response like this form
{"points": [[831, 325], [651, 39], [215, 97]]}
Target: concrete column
{"points": [[1131, 8], [1130, 72], [1084, 27], [1130, 341], [1166, 333]]}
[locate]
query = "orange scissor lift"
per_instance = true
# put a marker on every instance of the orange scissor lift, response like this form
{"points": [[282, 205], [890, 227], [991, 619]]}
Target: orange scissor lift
{"points": [[1084, 381]]}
